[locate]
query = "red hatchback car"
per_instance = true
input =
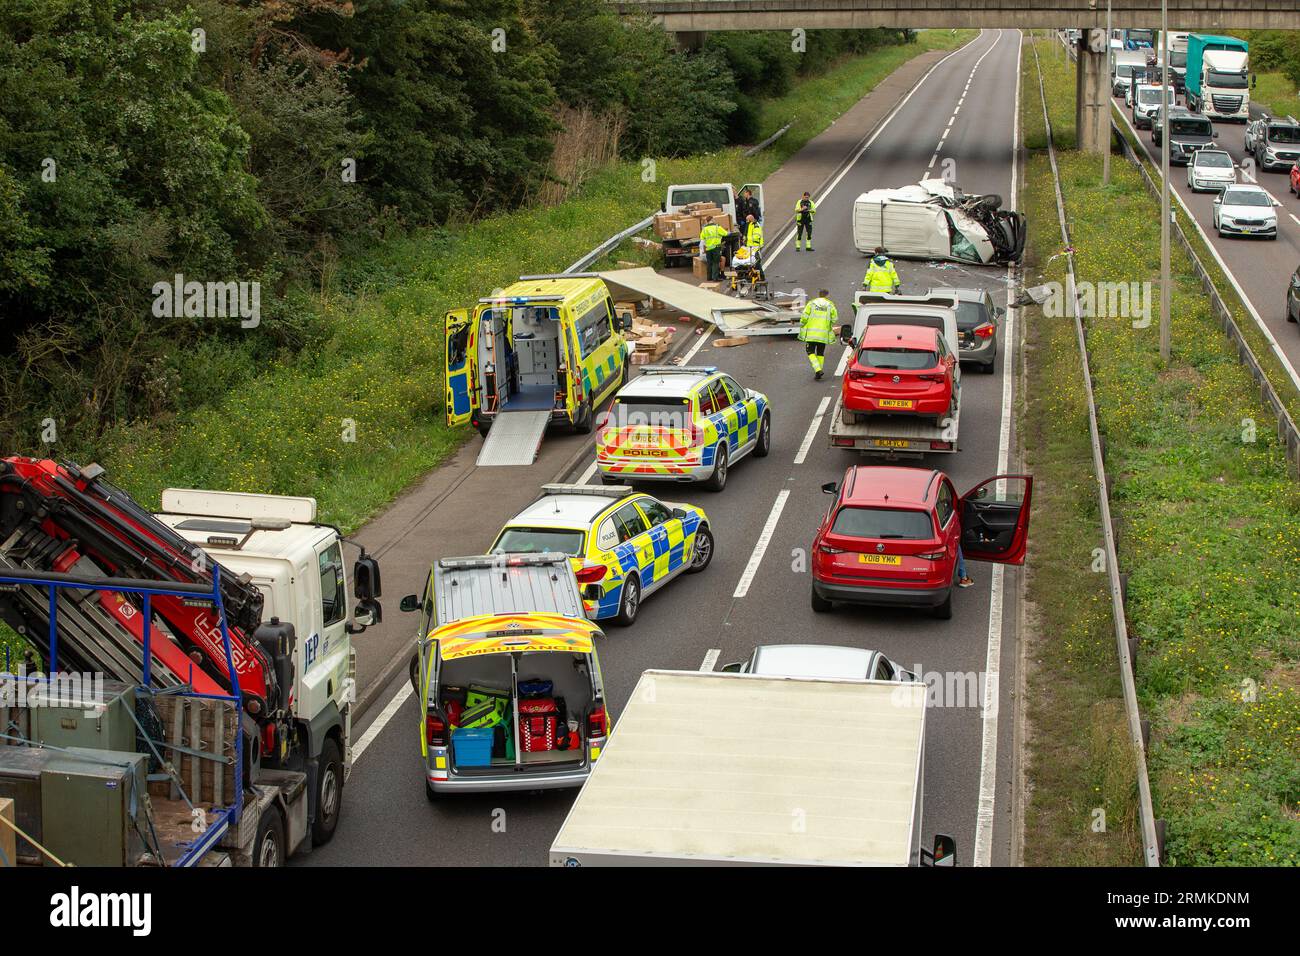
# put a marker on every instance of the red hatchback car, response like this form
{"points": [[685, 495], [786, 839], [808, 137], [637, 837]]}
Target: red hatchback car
{"points": [[1295, 178], [900, 369], [891, 536]]}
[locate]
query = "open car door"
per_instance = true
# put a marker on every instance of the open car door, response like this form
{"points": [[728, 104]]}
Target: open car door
{"points": [[995, 519], [757, 190], [462, 396]]}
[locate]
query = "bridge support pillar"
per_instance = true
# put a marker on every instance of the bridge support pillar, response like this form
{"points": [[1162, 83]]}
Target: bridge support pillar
{"points": [[689, 40], [1092, 98]]}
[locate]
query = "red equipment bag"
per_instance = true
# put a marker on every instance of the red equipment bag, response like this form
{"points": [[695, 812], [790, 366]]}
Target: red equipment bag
{"points": [[539, 722]]}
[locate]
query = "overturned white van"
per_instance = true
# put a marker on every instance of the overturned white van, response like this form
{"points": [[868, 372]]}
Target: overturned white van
{"points": [[936, 220]]}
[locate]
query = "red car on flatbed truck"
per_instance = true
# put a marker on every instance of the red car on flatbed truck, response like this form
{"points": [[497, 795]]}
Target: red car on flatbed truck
{"points": [[900, 370]]}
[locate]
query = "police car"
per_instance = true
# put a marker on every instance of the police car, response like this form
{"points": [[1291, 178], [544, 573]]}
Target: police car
{"points": [[623, 546], [681, 423]]}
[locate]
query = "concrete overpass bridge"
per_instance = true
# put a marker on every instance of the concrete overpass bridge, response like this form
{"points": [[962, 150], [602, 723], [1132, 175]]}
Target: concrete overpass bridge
{"points": [[688, 16], [692, 20]]}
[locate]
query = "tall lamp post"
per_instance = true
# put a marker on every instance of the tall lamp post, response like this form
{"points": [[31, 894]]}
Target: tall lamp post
{"points": [[1110, 56], [1165, 291]]}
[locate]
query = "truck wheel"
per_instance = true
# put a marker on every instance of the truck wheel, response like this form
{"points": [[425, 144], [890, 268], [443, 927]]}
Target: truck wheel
{"points": [[268, 845], [415, 673], [629, 602], [484, 428], [703, 552], [764, 445], [329, 792], [819, 603], [718, 480]]}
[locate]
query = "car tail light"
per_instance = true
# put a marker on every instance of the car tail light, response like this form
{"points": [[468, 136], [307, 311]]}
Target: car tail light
{"points": [[986, 330], [940, 446], [933, 555], [858, 374], [827, 549], [930, 378], [591, 573], [596, 726], [435, 731]]}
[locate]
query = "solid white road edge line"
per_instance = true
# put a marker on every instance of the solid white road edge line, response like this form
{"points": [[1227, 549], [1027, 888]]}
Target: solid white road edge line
{"points": [[984, 817], [760, 546], [379, 723], [813, 428]]}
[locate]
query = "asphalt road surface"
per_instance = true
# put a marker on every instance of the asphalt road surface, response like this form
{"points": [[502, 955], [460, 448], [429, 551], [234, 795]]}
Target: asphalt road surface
{"points": [[959, 120], [1260, 268]]}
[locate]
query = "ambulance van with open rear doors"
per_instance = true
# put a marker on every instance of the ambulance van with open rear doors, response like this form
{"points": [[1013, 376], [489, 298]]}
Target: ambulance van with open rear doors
{"points": [[512, 691], [545, 350]]}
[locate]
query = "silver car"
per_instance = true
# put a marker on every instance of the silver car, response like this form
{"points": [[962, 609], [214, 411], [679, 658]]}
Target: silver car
{"points": [[820, 660], [978, 320]]}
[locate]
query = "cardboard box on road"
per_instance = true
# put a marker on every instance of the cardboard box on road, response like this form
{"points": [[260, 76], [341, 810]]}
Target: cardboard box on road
{"points": [[700, 268]]}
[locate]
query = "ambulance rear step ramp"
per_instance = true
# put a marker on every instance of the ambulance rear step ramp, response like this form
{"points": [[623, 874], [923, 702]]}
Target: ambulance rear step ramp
{"points": [[894, 436], [514, 438]]}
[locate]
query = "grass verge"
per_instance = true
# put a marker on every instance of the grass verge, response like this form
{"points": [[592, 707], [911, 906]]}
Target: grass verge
{"points": [[1276, 93], [1209, 535], [360, 419]]}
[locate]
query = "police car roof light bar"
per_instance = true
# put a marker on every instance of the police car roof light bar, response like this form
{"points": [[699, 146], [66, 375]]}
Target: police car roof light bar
{"points": [[546, 558], [603, 491], [678, 369]]}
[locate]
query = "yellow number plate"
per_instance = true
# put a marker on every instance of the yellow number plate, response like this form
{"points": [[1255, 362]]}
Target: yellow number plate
{"points": [[893, 443], [891, 559], [895, 403]]}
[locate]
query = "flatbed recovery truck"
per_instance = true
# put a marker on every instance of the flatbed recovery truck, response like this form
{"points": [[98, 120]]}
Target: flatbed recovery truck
{"points": [[899, 436], [717, 769]]}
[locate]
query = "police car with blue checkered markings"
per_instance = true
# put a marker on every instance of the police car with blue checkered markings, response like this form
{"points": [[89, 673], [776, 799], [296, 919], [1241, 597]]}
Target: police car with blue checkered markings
{"points": [[623, 545], [682, 423]]}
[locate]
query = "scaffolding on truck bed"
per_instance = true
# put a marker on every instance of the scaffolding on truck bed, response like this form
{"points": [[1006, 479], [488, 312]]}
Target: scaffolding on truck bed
{"points": [[225, 817]]}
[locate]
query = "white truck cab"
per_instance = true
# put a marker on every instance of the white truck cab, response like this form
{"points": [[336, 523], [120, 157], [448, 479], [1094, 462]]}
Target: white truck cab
{"points": [[298, 566]]}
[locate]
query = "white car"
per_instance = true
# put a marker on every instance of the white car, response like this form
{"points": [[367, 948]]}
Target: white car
{"points": [[1211, 170], [1245, 211]]}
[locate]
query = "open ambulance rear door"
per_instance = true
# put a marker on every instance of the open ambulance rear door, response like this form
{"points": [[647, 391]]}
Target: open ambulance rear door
{"points": [[461, 372]]}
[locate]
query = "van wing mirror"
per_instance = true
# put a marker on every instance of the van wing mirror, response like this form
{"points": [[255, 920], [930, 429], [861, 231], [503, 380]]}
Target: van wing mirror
{"points": [[830, 488], [409, 603], [365, 577], [943, 854], [846, 333], [735, 667], [368, 612]]}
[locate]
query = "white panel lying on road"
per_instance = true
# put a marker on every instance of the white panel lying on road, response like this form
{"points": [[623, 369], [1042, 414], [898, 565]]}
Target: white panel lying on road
{"points": [[732, 768], [727, 313]]}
